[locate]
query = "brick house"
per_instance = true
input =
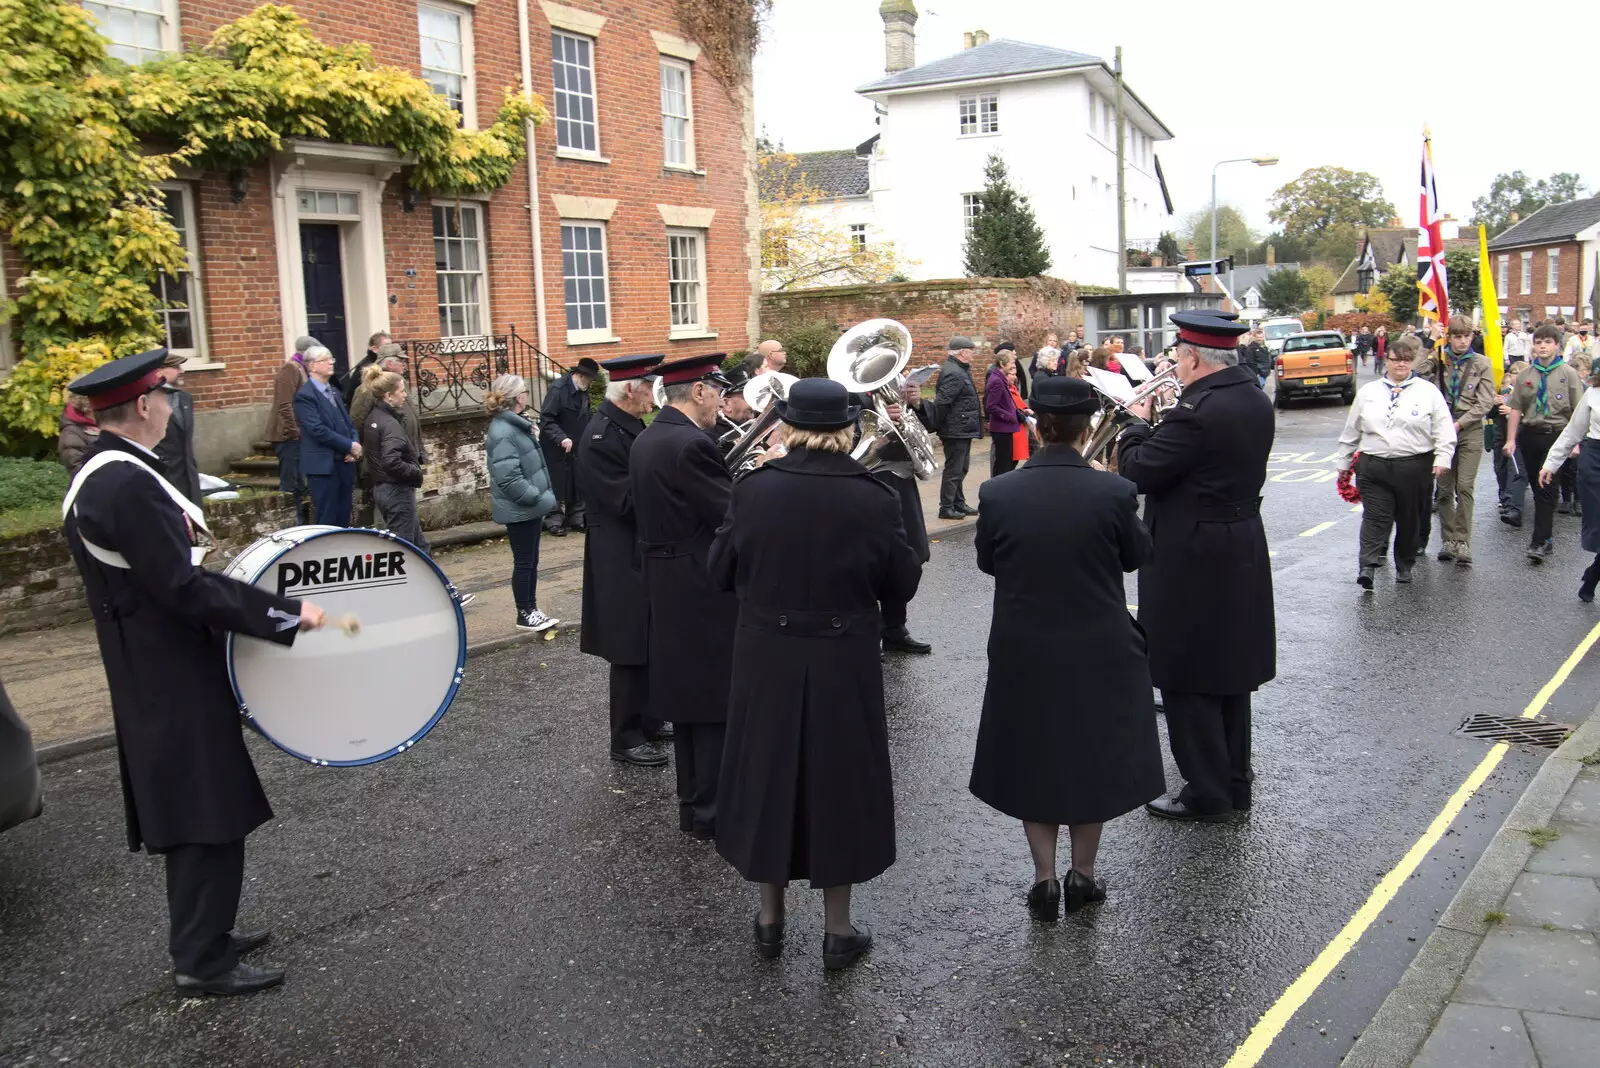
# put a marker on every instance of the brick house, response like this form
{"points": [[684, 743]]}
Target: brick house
{"points": [[1548, 263], [645, 237]]}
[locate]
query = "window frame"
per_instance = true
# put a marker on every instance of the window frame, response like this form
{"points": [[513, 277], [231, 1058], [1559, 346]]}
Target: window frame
{"points": [[1527, 274], [468, 73], [171, 40], [593, 96], [478, 208], [702, 327], [686, 68], [971, 208], [596, 334], [984, 117], [195, 355], [1502, 277], [1552, 270], [858, 237]]}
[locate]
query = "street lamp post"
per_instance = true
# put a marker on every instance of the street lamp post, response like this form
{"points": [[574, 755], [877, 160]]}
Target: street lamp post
{"points": [[1259, 161]]}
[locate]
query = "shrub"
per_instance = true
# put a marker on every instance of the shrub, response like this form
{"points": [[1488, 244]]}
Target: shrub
{"points": [[808, 344], [31, 483]]}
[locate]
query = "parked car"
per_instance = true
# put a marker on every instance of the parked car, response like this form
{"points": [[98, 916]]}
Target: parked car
{"points": [[1314, 363], [1275, 331], [20, 796]]}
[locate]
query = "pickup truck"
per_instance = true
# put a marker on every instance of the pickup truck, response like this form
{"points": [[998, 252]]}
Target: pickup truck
{"points": [[1314, 363]]}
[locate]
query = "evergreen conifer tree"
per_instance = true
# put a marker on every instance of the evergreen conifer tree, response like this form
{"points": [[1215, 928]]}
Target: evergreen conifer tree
{"points": [[1005, 240]]}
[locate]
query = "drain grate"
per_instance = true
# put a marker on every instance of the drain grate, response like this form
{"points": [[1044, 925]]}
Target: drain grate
{"points": [[1539, 733]]}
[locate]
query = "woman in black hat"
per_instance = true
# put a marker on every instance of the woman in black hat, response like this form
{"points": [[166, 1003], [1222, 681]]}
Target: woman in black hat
{"points": [[806, 791], [1064, 741]]}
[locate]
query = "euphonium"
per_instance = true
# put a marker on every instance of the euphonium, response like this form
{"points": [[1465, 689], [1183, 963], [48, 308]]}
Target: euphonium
{"points": [[868, 359]]}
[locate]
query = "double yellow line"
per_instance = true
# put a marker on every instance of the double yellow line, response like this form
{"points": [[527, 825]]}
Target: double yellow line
{"points": [[1272, 1023]]}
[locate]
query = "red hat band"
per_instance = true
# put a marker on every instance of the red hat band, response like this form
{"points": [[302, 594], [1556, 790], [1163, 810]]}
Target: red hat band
{"points": [[1210, 341], [124, 393]]}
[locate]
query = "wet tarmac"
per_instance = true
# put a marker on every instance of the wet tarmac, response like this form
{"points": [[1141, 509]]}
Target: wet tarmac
{"points": [[505, 895]]}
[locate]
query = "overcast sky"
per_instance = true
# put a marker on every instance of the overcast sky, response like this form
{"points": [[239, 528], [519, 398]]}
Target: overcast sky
{"points": [[1314, 84]]}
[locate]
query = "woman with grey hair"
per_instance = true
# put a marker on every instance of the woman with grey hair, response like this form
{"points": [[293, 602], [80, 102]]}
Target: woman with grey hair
{"points": [[519, 485]]}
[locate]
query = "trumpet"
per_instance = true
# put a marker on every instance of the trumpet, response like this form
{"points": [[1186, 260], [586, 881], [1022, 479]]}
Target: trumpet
{"points": [[868, 359], [1115, 415]]}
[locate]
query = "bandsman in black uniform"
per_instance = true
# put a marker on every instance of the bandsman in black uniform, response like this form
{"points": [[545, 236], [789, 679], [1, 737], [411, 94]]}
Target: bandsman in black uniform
{"points": [[189, 789], [1205, 599], [615, 608], [562, 419], [680, 496], [895, 636]]}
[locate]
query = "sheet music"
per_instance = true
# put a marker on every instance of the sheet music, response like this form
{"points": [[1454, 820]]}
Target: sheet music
{"points": [[1111, 384]]}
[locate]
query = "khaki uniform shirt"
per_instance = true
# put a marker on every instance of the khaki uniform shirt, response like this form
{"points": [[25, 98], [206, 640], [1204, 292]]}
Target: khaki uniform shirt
{"points": [[1564, 390], [1476, 397]]}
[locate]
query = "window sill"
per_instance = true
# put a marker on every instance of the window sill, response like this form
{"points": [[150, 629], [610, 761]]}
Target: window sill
{"points": [[206, 365], [678, 168], [975, 136], [582, 157], [696, 335], [579, 339]]}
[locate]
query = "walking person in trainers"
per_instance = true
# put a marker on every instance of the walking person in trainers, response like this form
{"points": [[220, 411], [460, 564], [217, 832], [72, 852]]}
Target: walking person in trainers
{"points": [[519, 488], [615, 606], [1582, 433], [1064, 745], [1402, 427], [1468, 384], [1542, 402], [805, 790], [960, 420]]}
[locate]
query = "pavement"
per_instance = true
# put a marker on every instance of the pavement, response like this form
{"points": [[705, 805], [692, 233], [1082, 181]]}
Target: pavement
{"points": [[503, 894], [55, 678]]}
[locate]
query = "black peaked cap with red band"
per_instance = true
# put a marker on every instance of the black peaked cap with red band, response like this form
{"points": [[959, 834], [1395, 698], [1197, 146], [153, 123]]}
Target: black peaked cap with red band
{"points": [[121, 381], [693, 369], [623, 368], [1208, 329]]}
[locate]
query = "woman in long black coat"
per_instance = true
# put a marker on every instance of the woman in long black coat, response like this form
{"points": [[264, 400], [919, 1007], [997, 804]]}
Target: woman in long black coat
{"points": [[811, 544], [1068, 733]]}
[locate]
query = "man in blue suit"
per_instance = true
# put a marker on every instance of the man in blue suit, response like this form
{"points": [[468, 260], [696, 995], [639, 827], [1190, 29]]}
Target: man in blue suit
{"points": [[329, 445]]}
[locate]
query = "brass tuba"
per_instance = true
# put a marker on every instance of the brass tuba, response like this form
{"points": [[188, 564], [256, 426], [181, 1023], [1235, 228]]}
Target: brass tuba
{"points": [[869, 358]]}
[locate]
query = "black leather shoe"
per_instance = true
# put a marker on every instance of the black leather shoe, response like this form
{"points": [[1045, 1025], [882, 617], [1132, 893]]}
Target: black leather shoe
{"points": [[905, 643], [1512, 517], [244, 979], [664, 734], [769, 938], [556, 532], [1082, 890], [1364, 577], [701, 833], [249, 941], [966, 509], [1541, 552], [948, 513], [1591, 579], [643, 756], [1170, 808], [841, 951], [1564, 508], [1044, 901], [685, 819]]}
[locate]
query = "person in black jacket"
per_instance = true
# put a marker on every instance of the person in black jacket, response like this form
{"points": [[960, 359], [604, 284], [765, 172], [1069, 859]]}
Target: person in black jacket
{"points": [[176, 447], [1060, 744], [806, 790], [1205, 600], [960, 416], [562, 418], [349, 383], [1256, 356], [392, 462]]}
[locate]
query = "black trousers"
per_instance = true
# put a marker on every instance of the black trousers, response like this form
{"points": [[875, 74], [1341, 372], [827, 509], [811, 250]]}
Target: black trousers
{"points": [[630, 695], [894, 618], [1533, 445], [1210, 737], [203, 885], [697, 751], [1000, 459], [957, 458], [1395, 495], [399, 506]]}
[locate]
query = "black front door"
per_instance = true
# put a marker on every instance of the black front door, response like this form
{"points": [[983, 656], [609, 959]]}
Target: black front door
{"points": [[324, 277]]}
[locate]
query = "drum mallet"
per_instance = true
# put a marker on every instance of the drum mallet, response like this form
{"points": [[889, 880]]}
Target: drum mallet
{"points": [[351, 625]]}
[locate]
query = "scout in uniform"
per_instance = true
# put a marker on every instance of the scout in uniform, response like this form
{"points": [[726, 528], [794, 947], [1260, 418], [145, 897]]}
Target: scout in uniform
{"points": [[1467, 382], [614, 604], [189, 789], [1542, 402], [680, 489], [1205, 599]]}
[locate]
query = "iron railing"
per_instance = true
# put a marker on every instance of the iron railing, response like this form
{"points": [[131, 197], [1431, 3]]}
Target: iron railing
{"points": [[452, 374]]}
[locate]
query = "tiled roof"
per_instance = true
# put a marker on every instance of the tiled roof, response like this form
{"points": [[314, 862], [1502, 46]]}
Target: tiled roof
{"points": [[1244, 278], [835, 173], [1553, 222], [998, 58], [1389, 245]]}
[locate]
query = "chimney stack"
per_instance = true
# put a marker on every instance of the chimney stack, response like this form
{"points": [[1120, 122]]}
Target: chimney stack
{"points": [[1189, 251], [966, 40], [899, 35], [980, 37], [1272, 256]]}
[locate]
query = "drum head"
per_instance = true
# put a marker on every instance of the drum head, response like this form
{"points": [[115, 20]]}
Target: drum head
{"points": [[340, 699]]}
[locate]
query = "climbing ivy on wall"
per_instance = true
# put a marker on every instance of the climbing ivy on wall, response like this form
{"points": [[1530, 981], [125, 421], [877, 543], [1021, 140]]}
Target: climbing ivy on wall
{"points": [[85, 138]]}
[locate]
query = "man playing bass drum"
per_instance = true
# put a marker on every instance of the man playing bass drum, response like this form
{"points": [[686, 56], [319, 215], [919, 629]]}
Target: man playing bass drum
{"points": [[1205, 600]]}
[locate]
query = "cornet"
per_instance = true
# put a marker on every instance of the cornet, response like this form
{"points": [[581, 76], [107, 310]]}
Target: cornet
{"points": [[1116, 414], [759, 393]]}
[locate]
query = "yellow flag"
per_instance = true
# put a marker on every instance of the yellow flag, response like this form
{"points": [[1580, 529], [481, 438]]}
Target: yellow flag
{"points": [[1493, 344]]}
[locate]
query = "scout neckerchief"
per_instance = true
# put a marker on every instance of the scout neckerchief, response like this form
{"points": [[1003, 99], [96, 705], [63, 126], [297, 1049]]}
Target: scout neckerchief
{"points": [[1456, 375], [1396, 389], [1541, 400]]}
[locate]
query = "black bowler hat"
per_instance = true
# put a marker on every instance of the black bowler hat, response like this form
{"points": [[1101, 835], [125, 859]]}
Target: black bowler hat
{"points": [[818, 404], [1004, 346], [693, 369], [623, 368], [1207, 329], [1064, 396], [121, 381], [586, 366]]}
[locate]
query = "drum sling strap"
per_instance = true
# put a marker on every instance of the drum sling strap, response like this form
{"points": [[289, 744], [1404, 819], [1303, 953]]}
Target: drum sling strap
{"points": [[196, 518]]}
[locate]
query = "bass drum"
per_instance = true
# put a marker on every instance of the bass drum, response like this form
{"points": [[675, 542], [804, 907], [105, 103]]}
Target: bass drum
{"points": [[338, 699]]}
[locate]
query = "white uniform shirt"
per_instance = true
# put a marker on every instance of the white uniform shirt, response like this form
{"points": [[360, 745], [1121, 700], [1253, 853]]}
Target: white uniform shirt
{"points": [[1516, 346], [1584, 427], [1393, 421]]}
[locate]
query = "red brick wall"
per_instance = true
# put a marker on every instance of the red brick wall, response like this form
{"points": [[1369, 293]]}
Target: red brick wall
{"points": [[1569, 265]]}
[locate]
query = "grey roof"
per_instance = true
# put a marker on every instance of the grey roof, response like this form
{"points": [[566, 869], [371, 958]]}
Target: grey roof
{"points": [[1244, 278], [998, 58], [1553, 222], [839, 172]]}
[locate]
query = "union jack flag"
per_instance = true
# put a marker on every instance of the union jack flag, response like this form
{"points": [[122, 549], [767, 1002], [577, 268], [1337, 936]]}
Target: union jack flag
{"points": [[1435, 298]]}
